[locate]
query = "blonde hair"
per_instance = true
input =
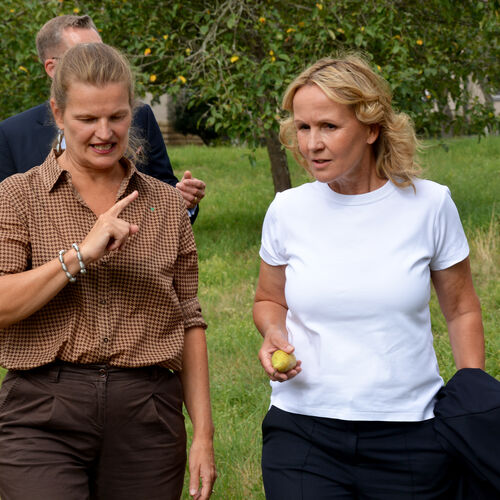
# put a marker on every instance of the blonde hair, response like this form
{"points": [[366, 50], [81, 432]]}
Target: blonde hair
{"points": [[350, 80], [95, 64]]}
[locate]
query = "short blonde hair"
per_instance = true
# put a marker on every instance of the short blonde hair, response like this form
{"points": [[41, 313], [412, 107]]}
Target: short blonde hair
{"points": [[49, 37], [95, 64], [350, 80]]}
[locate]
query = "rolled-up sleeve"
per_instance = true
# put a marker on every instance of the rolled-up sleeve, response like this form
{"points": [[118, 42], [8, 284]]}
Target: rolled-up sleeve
{"points": [[15, 248], [186, 276]]}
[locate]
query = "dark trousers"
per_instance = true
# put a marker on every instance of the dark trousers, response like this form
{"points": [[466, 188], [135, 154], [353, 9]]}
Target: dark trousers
{"points": [[78, 432], [311, 458]]}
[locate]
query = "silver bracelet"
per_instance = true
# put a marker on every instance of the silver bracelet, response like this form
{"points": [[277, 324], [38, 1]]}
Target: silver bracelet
{"points": [[71, 278], [83, 269]]}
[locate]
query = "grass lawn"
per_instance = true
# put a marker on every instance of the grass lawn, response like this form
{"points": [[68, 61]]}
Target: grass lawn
{"points": [[228, 237]]}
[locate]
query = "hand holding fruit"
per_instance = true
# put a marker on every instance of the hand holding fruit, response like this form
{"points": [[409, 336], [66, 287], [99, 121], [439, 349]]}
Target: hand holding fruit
{"points": [[276, 356]]}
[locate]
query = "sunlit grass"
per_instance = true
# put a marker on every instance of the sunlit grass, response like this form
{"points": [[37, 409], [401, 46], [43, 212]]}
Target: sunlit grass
{"points": [[228, 237]]}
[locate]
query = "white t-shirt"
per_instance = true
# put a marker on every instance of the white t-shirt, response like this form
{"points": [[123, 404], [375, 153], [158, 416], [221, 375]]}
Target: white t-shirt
{"points": [[358, 290]]}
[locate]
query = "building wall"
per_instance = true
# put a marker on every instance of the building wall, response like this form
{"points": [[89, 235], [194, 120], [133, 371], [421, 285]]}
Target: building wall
{"points": [[496, 103], [163, 112]]}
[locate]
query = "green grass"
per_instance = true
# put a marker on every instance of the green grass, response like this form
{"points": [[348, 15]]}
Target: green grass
{"points": [[471, 169], [228, 231], [228, 238]]}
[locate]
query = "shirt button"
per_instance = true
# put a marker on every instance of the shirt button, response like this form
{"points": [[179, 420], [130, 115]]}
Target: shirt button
{"points": [[102, 372], [105, 339], [102, 301]]}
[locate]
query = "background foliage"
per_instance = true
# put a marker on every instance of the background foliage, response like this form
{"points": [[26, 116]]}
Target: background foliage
{"points": [[236, 57], [239, 55]]}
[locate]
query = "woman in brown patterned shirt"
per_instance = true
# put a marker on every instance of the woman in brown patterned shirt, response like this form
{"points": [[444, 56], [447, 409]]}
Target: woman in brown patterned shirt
{"points": [[100, 326]]}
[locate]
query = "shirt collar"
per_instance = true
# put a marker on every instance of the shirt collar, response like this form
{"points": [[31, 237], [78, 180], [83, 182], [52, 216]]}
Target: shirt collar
{"points": [[51, 173]]}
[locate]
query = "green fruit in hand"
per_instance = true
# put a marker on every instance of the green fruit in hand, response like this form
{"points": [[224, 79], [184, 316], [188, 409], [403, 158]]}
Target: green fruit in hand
{"points": [[282, 362]]}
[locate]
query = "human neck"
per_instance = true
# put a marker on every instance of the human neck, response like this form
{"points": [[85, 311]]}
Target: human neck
{"points": [[98, 188], [87, 174], [357, 186]]}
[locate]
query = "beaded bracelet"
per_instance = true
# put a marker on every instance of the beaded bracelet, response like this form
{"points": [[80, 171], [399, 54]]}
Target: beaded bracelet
{"points": [[70, 277], [83, 269]]}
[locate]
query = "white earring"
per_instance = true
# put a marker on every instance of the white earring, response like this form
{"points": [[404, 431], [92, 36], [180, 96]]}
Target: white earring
{"points": [[60, 137]]}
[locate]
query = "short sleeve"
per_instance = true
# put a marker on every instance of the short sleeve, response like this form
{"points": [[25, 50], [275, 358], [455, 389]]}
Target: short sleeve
{"points": [[450, 242], [15, 248], [272, 245]]}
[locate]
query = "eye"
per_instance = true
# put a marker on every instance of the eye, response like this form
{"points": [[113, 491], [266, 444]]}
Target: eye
{"points": [[117, 118], [303, 126], [330, 126], [86, 119]]}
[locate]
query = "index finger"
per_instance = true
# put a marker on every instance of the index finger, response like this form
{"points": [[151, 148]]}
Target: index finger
{"points": [[116, 209]]}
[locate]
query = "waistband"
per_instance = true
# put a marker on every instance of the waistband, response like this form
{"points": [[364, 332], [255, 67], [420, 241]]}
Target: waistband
{"points": [[60, 368]]}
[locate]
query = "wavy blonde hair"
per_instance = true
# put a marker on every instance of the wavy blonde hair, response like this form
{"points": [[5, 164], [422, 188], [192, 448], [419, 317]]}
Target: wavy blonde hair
{"points": [[350, 80]]}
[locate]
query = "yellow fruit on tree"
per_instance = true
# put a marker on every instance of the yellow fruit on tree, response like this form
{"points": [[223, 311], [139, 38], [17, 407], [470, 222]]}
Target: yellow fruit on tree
{"points": [[282, 361]]}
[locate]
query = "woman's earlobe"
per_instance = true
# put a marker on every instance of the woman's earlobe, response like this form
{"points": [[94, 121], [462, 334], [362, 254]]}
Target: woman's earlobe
{"points": [[374, 133]]}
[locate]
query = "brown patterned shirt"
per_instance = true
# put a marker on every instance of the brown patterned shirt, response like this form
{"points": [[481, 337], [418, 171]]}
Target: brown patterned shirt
{"points": [[132, 307]]}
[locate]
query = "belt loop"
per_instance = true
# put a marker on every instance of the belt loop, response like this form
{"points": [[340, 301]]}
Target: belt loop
{"points": [[154, 372], [56, 371]]}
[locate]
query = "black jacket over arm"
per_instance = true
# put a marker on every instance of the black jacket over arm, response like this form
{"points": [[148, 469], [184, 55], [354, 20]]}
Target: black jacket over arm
{"points": [[467, 425]]}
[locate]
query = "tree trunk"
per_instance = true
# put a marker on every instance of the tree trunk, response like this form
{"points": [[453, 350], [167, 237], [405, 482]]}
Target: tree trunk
{"points": [[279, 162]]}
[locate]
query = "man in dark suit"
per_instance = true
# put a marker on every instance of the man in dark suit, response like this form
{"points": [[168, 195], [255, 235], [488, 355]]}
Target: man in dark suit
{"points": [[26, 138]]}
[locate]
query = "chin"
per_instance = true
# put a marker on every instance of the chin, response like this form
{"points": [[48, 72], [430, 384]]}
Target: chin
{"points": [[325, 179], [105, 159], [104, 165]]}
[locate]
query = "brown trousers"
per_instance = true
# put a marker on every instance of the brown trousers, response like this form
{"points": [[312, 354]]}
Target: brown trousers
{"points": [[79, 432]]}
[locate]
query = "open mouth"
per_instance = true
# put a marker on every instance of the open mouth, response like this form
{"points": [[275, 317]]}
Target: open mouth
{"points": [[103, 148], [319, 162]]}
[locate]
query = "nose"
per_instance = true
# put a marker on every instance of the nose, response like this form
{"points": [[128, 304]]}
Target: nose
{"points": [[103, 130], [315, 141]]}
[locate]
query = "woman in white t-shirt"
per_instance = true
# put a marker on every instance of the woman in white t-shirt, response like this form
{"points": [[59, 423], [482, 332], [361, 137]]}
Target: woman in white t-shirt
{"points": [[344, 283]]}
